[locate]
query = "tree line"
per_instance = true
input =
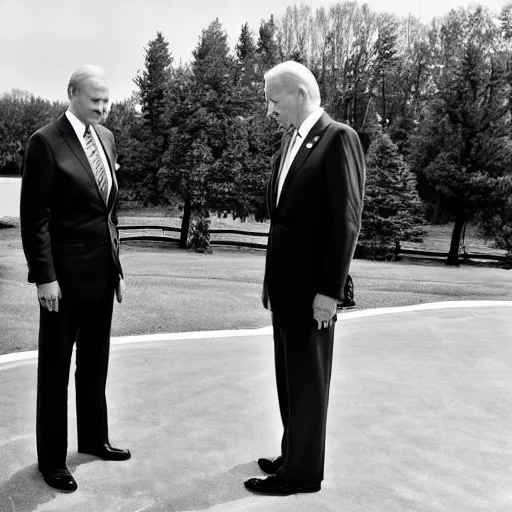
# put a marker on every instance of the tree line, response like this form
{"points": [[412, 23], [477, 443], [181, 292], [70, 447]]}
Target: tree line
{"points": [[431, 103]]}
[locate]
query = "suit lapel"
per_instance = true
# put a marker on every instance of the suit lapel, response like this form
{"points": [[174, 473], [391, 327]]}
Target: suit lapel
{"points": [[307, 147], [69, 136], [71, 139], [277, 170]]}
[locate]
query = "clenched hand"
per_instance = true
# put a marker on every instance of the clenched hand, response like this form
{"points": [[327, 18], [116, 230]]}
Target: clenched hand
{"points": [[49, 295], [324, 309]]}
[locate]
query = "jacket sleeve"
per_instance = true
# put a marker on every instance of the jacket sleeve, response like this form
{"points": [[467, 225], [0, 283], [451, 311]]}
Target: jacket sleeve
{"points": [[36, 191], [344, 170]]}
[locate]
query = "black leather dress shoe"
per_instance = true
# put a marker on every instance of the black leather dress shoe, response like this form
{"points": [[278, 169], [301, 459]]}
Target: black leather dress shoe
{"points": [[270, 466], [105, 451], [279, 486], [59, 478]]}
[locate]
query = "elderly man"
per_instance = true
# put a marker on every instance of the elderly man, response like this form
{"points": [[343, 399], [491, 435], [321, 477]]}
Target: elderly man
{"points": [[71, 245], [315, 198]]}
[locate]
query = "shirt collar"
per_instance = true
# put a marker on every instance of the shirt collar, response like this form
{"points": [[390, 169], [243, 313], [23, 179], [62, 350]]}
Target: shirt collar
{"points": [[77, 125], [309, 122]]}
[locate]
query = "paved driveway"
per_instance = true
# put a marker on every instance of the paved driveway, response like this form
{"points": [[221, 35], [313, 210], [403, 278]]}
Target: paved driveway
{"points": [[419, 421]]}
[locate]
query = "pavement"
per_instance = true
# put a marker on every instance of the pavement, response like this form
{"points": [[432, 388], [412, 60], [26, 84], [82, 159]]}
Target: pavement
{"points": [[10, 196], [419, 419]]}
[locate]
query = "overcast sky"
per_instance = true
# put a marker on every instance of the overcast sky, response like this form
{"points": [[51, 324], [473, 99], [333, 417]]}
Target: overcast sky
{"points": [[43, 41]]}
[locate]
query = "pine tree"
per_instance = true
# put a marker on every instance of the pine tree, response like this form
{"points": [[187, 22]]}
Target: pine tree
{"points": [[386, 58], [266, 49], [257, 137], [245, 48], [153, 80], [153, 83], [198, 161], [392, 208]]}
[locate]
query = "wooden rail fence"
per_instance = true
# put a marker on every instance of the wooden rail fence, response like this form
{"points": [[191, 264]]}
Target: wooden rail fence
{"points": [[215, 240]]}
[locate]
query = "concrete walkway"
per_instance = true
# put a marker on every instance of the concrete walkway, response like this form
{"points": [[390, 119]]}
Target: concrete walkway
{"points": [[10, 196], [420, 421]]}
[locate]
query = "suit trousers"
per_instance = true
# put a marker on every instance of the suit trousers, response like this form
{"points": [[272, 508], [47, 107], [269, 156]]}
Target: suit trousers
{"points": [[88, 324], [303, 362]]}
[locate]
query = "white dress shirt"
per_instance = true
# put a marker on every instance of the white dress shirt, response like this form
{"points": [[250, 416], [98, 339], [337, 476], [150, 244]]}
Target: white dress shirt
{"points": [[79, 128], [298, 137]]}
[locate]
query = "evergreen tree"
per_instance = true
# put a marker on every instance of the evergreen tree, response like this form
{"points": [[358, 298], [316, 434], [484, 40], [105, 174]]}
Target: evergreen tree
{"points": [[386, 58], [266, 49], [153, 82], [245, 48], [257, 137], [392, 208], [212, 64], [197, 161]]}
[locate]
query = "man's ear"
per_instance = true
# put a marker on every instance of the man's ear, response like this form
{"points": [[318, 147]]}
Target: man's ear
{"points": [[303, 93]]}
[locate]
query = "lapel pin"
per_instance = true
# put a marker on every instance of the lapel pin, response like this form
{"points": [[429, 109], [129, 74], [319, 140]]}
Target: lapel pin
{"points": [[309, 145]]}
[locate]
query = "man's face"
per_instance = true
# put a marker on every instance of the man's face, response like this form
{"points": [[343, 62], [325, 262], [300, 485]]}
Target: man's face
{"points": [[90, 101], [282, 103]]}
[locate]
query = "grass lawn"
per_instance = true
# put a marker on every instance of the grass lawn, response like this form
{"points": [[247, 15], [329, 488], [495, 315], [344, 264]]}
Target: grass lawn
{"points": [[169, 290]]}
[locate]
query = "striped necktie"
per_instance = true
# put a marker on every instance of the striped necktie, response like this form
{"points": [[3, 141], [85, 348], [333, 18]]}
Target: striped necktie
{"points": [[98, 169]]}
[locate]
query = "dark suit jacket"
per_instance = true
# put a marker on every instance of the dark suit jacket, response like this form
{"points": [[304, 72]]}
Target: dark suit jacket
{"points": [[314, 228], [67, 230]]}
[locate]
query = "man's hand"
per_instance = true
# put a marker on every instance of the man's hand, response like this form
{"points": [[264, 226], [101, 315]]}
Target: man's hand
{"points": [[49, 295], [120, 288], [324, 309]]}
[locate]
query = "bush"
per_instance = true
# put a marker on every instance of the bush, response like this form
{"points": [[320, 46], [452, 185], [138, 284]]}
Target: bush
{"points": [[199, 236], [9, 222], [374, 250]]}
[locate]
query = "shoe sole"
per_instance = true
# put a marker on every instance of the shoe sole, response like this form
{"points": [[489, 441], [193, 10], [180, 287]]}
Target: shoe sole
{"points": [[294, 491], [65, 491], [103, 458], [60, 489]]}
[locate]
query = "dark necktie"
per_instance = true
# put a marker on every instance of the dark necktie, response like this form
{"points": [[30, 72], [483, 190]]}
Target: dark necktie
{"points": [[286, 162]]}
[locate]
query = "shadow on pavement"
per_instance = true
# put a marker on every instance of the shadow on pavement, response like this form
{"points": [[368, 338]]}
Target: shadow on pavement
{"points": [[26, 490]]}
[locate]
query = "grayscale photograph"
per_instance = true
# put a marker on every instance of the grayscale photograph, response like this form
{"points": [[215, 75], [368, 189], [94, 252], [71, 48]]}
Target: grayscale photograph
{"points": [[255, 256]]}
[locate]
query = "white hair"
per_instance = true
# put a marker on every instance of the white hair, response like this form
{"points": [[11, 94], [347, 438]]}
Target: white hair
{"points": [[292, 74], [78, 76]]}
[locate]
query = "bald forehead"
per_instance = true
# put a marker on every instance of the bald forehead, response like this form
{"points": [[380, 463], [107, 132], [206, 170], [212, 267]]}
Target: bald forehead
{"points": [[289, 77], [86, 71], [95, 82], [278, 84]]}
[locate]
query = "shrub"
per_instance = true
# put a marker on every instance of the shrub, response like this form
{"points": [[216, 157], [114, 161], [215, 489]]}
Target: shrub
{"points": [[9, 222], [199, 236]]}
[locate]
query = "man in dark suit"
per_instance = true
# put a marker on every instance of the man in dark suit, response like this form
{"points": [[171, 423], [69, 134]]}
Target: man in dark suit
{"points": [[315, 198], [71, 245]]}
